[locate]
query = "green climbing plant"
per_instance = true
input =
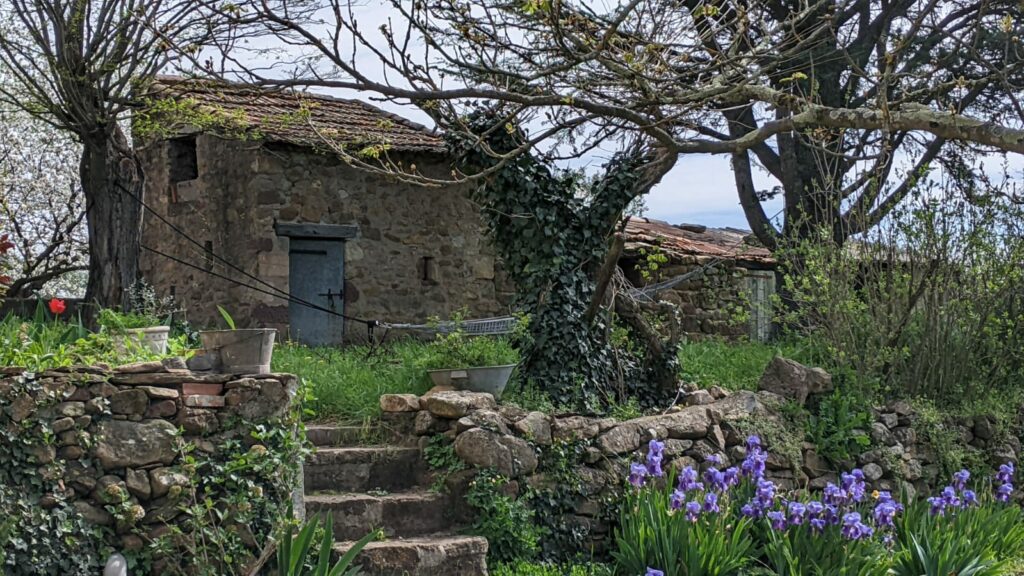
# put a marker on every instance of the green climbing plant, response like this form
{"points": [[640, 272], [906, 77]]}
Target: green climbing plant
{"points": [[552, 229]]}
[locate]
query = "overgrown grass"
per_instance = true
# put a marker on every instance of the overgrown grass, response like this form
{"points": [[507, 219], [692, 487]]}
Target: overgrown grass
{"points": [[347, 383], [736, 365]]}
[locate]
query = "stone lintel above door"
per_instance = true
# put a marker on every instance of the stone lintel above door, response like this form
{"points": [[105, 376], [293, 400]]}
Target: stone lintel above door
{"points": [[316, 231]]}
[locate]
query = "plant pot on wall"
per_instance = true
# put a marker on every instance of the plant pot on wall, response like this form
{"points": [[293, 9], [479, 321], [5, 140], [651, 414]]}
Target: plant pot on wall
{"points": [[244, 351], [490, 379], [153, 339]]}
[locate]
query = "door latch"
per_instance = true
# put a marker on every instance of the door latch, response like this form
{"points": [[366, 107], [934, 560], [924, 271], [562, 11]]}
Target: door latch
{"points": [[330, 297]]}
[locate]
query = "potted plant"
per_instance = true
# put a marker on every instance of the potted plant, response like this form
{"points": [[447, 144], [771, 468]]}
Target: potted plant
{"points": [[239, 350], [134, 330], [474, 363]]}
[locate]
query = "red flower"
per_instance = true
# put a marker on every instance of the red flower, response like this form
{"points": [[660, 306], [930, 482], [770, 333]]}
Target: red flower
{"points": [[5, 244], [5, 279], [57, 306]]}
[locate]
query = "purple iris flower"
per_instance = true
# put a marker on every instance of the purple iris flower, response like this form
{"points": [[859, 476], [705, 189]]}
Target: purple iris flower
{"points": [[960, 480], [1003, 492], [797, 512], [751, 511], [688, 480], [834, 495], [1005, 474], [778, 519], [637, 474], [831, 514], [938, 506], [970, 498], [732, 476], [884, 514], [715, 479], [655, 454], [692, 511], [853, 528], [711, 503], [817, 524], [815, 508], [950, 497], [676, 500], [653, 572], [853, 485]]}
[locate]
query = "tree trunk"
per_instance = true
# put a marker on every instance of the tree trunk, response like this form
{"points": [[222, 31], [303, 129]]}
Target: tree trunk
{"points": [[112, 180]]}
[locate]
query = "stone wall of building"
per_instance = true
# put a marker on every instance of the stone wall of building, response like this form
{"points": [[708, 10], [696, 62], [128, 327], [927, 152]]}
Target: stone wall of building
{"points": [[105, 442], [712, 424], [717, 302], [419, 252]]}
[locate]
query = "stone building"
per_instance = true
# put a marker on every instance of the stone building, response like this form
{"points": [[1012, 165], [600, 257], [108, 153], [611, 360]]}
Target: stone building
{"points": [[261, 192], [730, 296]]}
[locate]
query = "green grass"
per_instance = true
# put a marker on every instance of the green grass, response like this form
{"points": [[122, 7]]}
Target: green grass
{"points": [[735, 365], [347, 383]]}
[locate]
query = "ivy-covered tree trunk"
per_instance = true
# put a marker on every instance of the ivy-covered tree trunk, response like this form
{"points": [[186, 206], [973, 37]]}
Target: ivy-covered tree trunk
{"points": [[553, 241]]}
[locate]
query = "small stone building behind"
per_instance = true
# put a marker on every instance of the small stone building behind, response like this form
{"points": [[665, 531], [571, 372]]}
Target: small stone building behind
{"points": [[730, 298], [295, 219]]}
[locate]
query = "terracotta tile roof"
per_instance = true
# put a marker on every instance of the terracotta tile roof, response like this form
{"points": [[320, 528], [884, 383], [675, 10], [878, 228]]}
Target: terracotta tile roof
{"points": [[695, 240], [302, 118]]}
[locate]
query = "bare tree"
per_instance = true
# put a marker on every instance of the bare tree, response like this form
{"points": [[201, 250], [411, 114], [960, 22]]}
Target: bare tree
{"points": [[845, 103], [79, 65], [41, 204]]}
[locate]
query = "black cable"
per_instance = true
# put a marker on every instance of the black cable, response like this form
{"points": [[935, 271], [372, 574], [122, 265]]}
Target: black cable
{"points": [[369, 323], [282, 293]]}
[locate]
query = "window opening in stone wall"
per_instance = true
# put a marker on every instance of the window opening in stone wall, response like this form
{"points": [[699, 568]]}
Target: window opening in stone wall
{"points": [[208, 246], [184, 162], [428, 270]]}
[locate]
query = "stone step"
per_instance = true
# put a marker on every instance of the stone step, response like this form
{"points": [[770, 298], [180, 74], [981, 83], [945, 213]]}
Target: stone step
{"points": [[337, 435], [364, 468], [438, 555], [404, 514]]}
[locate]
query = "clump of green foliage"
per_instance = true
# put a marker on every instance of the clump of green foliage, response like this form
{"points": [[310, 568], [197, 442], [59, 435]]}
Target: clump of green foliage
{"points": [[440, 456], [929, 304], [453, 347], [506, 522], [43, 342]]}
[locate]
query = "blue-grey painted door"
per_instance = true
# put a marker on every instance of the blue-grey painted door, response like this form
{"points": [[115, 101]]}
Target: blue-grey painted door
{"points": [[316, 274]]}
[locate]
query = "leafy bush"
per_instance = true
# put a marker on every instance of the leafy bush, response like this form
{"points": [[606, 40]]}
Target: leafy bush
{"points": [[929, 304], [505, 521], [454, 348], [837, 426], [118, 322]]}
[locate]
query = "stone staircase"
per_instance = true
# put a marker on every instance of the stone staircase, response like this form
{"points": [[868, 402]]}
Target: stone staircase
{"points": [[367, 487]]}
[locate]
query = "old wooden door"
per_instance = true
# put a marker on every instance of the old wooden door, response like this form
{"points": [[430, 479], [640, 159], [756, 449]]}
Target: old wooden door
{"points": [[760, 289], [316, 274]]}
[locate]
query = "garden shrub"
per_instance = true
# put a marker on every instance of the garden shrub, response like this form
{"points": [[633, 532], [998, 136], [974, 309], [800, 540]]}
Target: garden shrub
{"points": [[527, 569], [506, 522], [930, 303]]}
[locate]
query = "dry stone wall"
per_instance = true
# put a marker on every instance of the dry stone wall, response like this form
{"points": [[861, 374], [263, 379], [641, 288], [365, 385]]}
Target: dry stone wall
{"points": [[105, 441], [714, 424]]}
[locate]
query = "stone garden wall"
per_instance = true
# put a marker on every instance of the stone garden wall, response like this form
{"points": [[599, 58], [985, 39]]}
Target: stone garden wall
{"points": [[105, 443], [711, 423]]}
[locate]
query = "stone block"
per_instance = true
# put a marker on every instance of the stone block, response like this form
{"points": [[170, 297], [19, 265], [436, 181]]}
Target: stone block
{"points": [[132, 401], [458, 404], [121, 443], [399, 403], [196, 388], [204, 401]]}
